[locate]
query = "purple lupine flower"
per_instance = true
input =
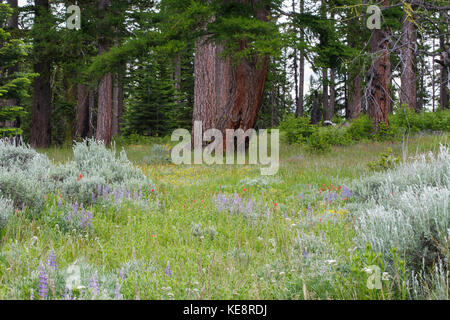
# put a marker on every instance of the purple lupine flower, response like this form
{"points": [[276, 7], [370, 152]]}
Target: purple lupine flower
{"points": [[51, 261], [43, 282], [89, 218], [59, 203], [93, 196], [135, 195], [309, 210], [93, 284], [168, 271], [122, 273], [249, 206], [305, 254], [83, 218], [117, 294], [31, 294], [66, 295], [105, 192], [346, 192]]}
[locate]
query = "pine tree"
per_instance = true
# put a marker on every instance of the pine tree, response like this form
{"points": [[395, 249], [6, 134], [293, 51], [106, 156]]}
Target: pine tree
{"points": [[13, 84]]}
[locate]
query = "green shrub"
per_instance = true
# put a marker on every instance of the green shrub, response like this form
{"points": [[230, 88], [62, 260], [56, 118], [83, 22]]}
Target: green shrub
{"points": [[409, 120], [158, 154], [296, 129], [384, 162], [361, 128], [318, 142]]}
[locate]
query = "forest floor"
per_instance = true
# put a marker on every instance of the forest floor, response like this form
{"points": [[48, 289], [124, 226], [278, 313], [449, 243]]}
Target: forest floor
{"points": [[201, 241]]}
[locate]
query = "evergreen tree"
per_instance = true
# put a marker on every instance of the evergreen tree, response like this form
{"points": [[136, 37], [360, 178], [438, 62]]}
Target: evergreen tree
{"points": [[13, 84]]}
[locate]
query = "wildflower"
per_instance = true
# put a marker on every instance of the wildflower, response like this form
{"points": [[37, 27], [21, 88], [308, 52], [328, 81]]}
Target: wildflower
{"points": [[43, 283], [385, 276], [31, 294], [168, 271], [346, 192], [93, 284], [51, 261], [309, 209], [122, 273], [117, 294]]}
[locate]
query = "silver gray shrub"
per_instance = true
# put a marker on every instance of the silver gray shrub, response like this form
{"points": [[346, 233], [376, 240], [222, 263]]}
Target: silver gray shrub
{"points": [[6, 210], [99, 168], [407, 208], [23, 175]]}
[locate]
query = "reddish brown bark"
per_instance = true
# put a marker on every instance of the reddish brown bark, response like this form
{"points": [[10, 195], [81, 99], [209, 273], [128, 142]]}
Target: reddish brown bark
{"points": [[104, 112], [104, 132], [354, 103], [226, 95], [379, 76], [40, 128], [408, 92], [82, 112], [117, 107]]}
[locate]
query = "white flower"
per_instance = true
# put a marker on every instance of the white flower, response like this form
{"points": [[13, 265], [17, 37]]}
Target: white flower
{"points": [[368, 270], [385, 276], [331, 261]]}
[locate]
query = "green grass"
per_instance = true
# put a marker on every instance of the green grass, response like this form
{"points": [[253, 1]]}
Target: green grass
{"points": [[244, 260]]}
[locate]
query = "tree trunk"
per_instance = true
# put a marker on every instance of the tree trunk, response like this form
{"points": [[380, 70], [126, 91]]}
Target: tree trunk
{"points": [[40, 128], [104, 113], [445, 65], [295, 65], [327, 113], [117, 109], [82, 112], [104, 132], [93, 93], [379, 76], [226, 95], [316, 115], [301, 86], [354, 103], [332, 92], [408, 91]]}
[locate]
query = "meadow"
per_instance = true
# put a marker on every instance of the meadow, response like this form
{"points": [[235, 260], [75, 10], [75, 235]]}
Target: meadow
{"points": [[226, 232]]}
